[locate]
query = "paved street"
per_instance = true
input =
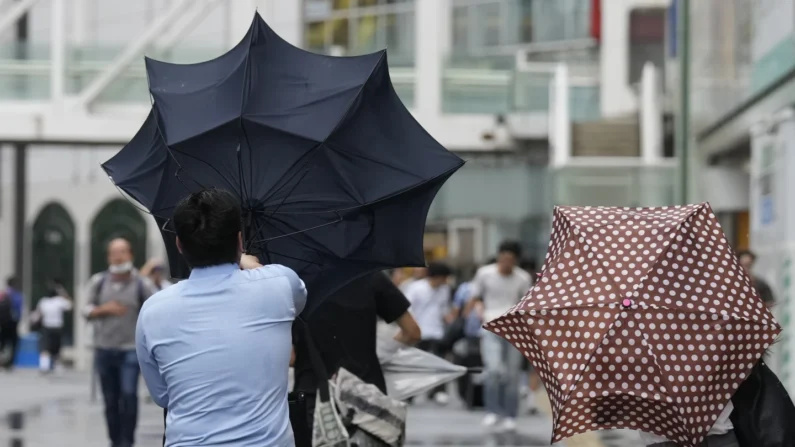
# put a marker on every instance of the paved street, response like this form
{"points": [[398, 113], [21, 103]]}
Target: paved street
{"points": [[57, 411]]}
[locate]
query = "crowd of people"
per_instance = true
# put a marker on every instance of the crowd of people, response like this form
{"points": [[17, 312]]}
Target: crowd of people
{"points": [[214, 349]]}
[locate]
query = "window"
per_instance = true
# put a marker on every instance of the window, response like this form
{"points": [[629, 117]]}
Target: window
{"points": [[646, 40], [486, 25], [351, 27]]}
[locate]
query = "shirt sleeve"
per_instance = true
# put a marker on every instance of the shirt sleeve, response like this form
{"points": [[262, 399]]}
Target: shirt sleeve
{"points": [[65, 304], [477, 286], [150, 371], [297, 288], [390, 303]]}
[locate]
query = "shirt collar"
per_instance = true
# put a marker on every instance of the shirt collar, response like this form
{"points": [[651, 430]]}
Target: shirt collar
{"points": [[213, 270]]}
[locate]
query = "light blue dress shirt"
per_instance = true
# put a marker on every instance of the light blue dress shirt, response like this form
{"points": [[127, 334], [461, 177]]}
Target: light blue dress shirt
{"points": [[215, 350]]}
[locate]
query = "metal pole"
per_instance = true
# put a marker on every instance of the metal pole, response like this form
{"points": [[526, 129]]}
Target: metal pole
{"points": [[57, 52], [20, 208], [682, 128]]}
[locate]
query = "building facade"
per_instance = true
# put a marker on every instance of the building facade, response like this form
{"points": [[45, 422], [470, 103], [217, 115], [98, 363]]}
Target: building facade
{"points": [[743, 78], [550, 101]]}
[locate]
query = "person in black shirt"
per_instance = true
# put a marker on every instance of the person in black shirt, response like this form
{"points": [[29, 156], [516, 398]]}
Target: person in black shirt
{"points": [[344, 330], [747, 260]]}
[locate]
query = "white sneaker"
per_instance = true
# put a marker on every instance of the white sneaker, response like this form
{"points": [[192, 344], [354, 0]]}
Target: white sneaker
{"points": [[508, 424], [442, 398], [490, 420]]}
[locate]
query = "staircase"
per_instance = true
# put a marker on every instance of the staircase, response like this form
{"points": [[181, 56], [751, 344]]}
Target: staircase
{"points": [[606, 138]]}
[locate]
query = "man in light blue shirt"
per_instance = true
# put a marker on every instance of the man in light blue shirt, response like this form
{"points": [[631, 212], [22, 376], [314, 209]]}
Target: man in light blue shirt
{"points": [[215, 349]]}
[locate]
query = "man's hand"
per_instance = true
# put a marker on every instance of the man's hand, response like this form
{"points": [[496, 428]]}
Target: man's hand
{"points": [[109, 309], [249, 262]]}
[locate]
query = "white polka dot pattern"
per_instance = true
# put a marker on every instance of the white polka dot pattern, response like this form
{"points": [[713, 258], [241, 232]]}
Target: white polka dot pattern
{"points": [[642, 318]]}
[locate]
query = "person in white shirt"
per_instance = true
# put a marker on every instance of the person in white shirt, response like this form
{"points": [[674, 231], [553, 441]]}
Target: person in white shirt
{"points": [[429, 300], [50, 314], [417, 273], [499, 287]]}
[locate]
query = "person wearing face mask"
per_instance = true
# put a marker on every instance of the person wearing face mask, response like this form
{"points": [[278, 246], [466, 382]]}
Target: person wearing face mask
{"points": [[115, 299]]}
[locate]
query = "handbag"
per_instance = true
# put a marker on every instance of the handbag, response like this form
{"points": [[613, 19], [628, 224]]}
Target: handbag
{"points": [[328, 430], [763, 411]]}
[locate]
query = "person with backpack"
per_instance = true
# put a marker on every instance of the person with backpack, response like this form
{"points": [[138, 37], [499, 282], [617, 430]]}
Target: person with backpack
{"points": [[11, 302], [116, 297]]}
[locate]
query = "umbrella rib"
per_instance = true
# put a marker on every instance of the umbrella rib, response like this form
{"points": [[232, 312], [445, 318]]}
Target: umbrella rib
{"points": [[372, 160], [296, 258], [266, 240], [387, 197], [244, 195], [645, 276], [200, 161], [270, 216], [356, 97], [339, 123], [663, 378]]}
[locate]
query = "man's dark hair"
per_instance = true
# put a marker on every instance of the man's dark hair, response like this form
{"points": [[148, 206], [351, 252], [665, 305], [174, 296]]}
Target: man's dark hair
{"points": [[207, 224], [12, 282], [742, 253], [438, 270], [511, 247]]}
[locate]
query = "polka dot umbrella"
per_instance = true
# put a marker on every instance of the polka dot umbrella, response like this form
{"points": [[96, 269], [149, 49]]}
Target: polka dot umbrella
{"points": [[642, 319]]}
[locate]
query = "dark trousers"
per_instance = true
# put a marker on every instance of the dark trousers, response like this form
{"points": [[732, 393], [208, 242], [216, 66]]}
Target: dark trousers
{"points": [[118, 372], [9, 339], [435, 347]]}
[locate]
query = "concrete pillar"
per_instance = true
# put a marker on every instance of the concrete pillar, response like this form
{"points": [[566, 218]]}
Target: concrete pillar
{"points": [[560, 117], [57, 53], [650, 116], [431, 43]]}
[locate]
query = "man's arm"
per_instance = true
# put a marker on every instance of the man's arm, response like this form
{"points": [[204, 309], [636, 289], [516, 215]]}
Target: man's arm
{"points": [[150, 371], [93, 309], [410, 333], [392, 306], [297, 287]]}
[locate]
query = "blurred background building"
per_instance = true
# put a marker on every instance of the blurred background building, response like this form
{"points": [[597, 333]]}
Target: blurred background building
{"points": [[550, 101]]}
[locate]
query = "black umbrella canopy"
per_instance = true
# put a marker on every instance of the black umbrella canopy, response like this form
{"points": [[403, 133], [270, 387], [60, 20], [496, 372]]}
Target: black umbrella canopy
{"points": [[334, 175]]}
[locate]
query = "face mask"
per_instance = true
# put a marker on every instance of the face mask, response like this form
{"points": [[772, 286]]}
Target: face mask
{"points": [[119, 269]]}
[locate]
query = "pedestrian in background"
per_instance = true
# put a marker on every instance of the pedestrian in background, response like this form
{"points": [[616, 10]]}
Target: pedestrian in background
{"points": [[499, 287], [11, 302], [430, 303], [49, 315], [748, 261], [116, 297]]}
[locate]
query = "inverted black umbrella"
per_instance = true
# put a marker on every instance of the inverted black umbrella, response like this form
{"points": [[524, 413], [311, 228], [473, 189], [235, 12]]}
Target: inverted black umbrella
{"points": [[334, 175]]}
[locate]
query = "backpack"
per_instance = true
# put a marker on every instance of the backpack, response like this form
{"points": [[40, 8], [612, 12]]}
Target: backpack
{"points": [[6, 309], [139, 283]]}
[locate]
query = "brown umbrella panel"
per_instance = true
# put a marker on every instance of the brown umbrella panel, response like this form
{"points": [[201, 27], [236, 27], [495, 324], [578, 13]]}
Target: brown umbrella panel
{"points": [[642, 319]]}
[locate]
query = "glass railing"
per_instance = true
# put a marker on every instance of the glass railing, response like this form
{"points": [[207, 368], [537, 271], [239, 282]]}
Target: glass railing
{"points": [[477, 91], [489, 91], [469, 86], [585, 102], [632, 185], [25, 75]]}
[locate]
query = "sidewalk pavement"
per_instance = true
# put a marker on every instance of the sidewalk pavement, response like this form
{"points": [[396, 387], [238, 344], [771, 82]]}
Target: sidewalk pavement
{"points": [[58, 411]]}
